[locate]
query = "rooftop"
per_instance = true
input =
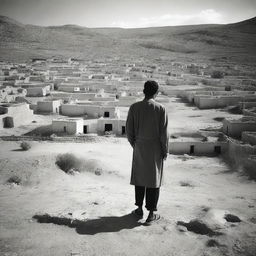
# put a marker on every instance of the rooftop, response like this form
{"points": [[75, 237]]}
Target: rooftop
{"points": [[67, 119], [244, 119]]}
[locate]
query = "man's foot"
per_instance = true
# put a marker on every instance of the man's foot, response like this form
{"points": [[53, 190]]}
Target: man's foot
{"points": [[138, 212], [152, 218]]}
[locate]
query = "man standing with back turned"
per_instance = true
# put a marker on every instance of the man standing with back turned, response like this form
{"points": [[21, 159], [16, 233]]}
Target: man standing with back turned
{"points": [[146, 128]]}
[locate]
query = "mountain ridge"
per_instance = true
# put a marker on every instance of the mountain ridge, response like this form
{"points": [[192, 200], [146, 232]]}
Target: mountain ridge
{"points": [[19, 41]]}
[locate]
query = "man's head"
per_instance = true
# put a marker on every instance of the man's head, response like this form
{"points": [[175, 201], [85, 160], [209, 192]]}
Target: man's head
{"points": [[150, 88]]}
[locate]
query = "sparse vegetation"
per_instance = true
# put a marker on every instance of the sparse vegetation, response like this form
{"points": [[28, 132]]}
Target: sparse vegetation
{"points": [[217, 74], [207, 82], [186, 184], [14, 180], [25, 146], [68, 163], [98, 172]]}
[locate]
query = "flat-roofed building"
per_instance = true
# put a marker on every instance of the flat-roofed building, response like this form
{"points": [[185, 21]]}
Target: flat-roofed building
{"points": [[36, 85], [38, 78], [69, 126], [38, 91], [48, 106], [197, 146], [235, 127], [247, 104], [15, 114], [250, 111], [90, 111], [81, 96], [249, 137], [68, 88], [99, 77], [111, 126]]}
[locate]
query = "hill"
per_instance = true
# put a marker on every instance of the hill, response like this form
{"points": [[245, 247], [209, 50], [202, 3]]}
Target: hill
{"points": [[234, 42]]}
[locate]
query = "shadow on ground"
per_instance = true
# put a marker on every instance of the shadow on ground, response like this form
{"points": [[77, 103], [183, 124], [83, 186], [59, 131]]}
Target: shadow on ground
{"points": [[45, 130], [18, 150], [93, 226]]}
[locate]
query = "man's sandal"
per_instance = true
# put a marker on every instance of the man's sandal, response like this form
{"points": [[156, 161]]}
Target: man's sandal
{"points": [[152, 219]]}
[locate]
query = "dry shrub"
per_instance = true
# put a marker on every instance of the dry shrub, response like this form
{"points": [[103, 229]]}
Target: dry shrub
{"points": [[186, 184], [14, 180], [68, 163], [25, 145], [217, 74]]}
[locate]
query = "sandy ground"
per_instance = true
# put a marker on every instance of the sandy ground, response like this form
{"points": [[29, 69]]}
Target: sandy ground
{"points": [[184, 118], [89, 214]]}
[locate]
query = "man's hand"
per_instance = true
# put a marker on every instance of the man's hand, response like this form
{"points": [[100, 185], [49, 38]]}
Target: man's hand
{"points": [[164, 156]]}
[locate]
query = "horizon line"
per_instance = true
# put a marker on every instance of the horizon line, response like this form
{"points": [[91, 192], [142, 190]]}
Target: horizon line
{"points": [[119, 27]]}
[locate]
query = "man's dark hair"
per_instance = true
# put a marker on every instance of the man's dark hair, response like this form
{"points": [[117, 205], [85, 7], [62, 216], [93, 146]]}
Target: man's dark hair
{"points": [[150, 88]]}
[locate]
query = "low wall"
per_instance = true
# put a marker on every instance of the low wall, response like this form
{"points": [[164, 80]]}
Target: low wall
{"points": [[235, 128], [248, 112], [199, 148], [249, 137], [246, 104], [216, 102], [238, 154]]}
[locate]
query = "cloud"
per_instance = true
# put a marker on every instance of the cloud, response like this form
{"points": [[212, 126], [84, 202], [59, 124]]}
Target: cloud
{"points": [[204, 17]]}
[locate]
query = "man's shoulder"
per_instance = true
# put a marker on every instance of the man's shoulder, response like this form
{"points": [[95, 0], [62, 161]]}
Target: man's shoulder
{"points": [[136, 104], [159, 105]]}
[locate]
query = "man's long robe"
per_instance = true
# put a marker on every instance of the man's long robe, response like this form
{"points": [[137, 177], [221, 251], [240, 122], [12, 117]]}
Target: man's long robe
{"points": [[146, 129]]}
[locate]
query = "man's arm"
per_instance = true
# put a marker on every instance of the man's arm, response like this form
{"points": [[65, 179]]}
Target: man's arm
{"points": [[164, 136], [130, 127]]}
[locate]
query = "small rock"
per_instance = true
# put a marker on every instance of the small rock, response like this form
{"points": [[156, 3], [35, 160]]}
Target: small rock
{"points": [[98, 172], [73, 171], [212, 243], [232, 218]]}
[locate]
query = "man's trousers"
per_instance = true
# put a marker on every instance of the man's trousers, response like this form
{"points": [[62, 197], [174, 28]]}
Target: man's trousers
{"points": [[152, 195]]}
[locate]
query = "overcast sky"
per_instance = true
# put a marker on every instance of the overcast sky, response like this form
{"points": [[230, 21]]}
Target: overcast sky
{"points": [[128, 13]]}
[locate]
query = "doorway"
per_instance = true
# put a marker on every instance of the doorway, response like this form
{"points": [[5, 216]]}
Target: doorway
{"points": [[8, 122], [123, 130], [85, 129], [108, 127], [192, 149], [106, 114], [217, 150]]}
